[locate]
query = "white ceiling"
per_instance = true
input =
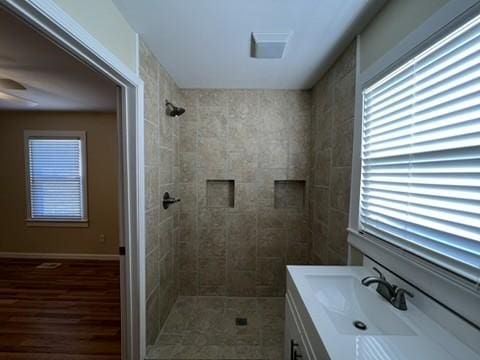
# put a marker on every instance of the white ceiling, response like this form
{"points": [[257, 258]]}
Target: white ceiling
{"points": [[206, 43], [54, 79]]}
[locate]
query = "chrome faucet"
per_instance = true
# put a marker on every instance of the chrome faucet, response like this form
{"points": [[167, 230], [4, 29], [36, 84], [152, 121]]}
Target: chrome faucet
{"points": [[393, 294]]}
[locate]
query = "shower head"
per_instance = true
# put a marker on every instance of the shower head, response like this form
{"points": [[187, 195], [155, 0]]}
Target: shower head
{"points": [[173, 110]]}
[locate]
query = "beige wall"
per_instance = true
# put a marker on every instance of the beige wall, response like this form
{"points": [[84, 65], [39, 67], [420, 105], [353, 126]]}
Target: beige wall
{"points": [[102, 185], [332, 128], [104, 22], [161, 175], [391, 25]]}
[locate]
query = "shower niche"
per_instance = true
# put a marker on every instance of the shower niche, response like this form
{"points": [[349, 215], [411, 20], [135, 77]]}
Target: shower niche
{"points": [[289, 194], [220, 193]]}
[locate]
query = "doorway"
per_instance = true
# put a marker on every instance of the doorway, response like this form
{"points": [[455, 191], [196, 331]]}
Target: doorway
{"points": [[78, 43]]}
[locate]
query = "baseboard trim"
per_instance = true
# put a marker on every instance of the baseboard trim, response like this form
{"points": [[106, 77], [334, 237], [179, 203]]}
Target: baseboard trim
{"points": [[20, 255]]}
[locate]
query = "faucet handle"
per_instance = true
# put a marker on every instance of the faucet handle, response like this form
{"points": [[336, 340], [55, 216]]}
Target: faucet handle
{"points": [[380, 275], [398, 300]]}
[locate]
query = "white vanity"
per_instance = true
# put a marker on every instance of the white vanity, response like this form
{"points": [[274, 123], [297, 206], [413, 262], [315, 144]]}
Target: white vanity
{"points": [[323, 302]]}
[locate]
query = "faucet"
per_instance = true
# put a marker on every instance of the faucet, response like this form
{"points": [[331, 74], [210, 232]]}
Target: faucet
{"points": [[393, 294], [398, 300], [384, 288]]}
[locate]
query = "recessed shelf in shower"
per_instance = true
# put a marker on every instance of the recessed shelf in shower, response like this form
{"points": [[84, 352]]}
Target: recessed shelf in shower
{"points": [[221, 193], [289, 193]]}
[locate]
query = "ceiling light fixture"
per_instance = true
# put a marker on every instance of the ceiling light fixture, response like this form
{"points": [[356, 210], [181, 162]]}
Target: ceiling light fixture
{"points": [[9, 84]]}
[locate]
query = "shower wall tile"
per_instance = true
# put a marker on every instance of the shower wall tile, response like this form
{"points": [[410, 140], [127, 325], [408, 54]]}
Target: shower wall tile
{"points": [[333, 107], [241, 256], [241, 283], [298, 253], [242, 227], [162, 173], [272, 242], [152, 141], [323, 129], [188, 170], [337, 232], [188, 135], [344, 104], [271, 274], [212, 275], [166, 235], [153, 316], [166, 166], [152, 187], [214, 123], [187, 283], [186, 255], [212, 152], [187, 194], [320, 239], [188, 226], [243, 123], [342, 143], [242, 165], [252, 137], [322, 203], [152, 271], [152, 227], [212, 242], [152, 94], [273, 154], [245, 196], [322, 167], [242, 144], [211, 217], [166, 130], [345, 64], [340, 188]]}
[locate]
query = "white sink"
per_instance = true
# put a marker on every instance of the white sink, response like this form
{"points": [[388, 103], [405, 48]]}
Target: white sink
{"points": [[346, 300], [328, 299]]}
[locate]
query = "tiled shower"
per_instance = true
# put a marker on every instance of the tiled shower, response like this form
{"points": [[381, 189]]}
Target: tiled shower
{"points": [[264, 180]]}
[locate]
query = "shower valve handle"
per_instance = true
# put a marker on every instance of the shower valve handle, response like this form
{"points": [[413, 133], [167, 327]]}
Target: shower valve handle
{"points": [[167, 200]]}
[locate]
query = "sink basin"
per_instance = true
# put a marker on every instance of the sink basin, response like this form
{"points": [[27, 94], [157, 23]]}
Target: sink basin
{"points": [[346, 300], [323, 302]]}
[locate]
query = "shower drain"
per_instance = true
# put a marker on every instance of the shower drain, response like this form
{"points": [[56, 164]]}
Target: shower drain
{"points": [[241, 321], [360, 325]]}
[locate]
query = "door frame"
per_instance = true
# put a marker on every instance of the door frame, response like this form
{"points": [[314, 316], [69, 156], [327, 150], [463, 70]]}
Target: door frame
{"points": [[48, 18]]}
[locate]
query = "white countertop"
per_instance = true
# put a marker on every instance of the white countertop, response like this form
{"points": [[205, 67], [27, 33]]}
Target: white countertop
{"points": [[426, 341]]}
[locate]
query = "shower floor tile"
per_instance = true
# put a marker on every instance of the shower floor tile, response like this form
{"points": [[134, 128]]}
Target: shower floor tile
{"points": [[204, 327]]}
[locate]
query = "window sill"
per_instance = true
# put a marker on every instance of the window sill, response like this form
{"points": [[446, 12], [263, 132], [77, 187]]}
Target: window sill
{"points": [[56, 223]]}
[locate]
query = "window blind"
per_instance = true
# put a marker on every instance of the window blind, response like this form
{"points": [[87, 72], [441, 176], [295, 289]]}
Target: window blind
{"points": [[56, 184], [420, 186]]}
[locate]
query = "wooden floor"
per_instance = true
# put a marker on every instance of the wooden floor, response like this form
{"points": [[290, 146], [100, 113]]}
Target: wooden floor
{"points": [[69, 313]]}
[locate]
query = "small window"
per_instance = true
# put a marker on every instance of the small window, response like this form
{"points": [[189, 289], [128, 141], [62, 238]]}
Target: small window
{"points": [[56, 176], [420, 182]]}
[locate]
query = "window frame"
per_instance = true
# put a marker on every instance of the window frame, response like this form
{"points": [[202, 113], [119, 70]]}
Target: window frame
{"points": [[54, 134], [451, 290]]}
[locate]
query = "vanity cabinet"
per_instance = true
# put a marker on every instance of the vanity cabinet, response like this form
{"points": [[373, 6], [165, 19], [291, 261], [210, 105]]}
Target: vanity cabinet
{"points": [[295, 348], [299, 344]]}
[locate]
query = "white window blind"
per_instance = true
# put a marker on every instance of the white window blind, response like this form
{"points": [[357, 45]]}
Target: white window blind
{"points": [[56, 181], [420, 185]]}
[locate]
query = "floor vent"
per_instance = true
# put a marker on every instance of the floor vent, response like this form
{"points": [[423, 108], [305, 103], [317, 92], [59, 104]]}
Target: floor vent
{"points": [[241, 321], [49, 265]]}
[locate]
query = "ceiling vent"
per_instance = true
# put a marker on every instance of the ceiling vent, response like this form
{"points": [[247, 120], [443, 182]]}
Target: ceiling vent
{"points": [[269, 45]]}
